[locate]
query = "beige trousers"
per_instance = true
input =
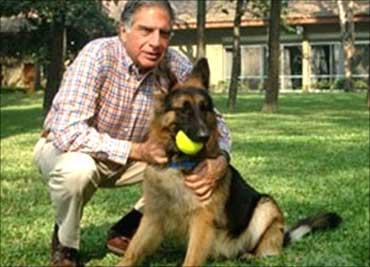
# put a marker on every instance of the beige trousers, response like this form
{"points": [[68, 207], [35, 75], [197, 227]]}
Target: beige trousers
{"points": [[72, 179]]}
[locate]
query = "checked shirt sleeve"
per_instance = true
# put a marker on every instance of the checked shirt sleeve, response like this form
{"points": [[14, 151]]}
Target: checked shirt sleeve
{"points": [[72, 115], [224, 141]]}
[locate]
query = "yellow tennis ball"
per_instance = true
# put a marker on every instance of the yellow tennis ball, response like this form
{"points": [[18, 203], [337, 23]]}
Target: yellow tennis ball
{"points": [[186, 145]]}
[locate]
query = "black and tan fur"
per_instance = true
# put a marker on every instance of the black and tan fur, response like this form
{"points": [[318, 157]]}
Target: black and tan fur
{"points": [[237, 221]]}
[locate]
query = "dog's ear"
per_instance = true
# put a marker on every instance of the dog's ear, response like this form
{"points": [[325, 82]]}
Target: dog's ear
{"points": [[164, 77], [172, 80], [201, 71], [199, 76]]}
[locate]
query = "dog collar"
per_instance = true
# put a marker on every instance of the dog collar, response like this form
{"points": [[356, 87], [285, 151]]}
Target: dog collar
{"points": [[183, 165]]}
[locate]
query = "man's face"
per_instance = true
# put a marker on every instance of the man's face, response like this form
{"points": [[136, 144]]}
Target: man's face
{"points": [[148, 38]]}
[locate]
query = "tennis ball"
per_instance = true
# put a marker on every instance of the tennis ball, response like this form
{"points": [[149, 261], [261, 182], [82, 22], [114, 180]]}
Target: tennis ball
{"points": [[186, 145]]}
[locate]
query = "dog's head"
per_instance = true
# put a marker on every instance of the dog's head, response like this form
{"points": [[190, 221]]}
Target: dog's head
{"points": [[188, 107]]}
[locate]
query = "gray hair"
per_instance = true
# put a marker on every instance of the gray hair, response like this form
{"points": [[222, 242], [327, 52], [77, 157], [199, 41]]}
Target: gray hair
{"points": [[133, 5]]}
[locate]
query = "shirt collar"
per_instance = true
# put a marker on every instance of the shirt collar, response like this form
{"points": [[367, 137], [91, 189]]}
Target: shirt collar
{"points": [[126, 60]]}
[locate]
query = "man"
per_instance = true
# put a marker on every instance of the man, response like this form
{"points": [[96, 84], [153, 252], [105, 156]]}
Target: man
{"points": [[94, 134]]}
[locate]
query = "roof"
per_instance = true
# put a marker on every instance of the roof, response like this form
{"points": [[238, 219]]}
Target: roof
{"points": [[220, 13]]}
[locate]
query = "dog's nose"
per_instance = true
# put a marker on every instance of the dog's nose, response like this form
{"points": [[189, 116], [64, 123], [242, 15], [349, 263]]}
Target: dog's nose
{"points": [[202, 135]]}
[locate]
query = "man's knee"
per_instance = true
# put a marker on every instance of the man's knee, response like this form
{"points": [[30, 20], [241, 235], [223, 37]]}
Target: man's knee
{"points": [[73, 174]]}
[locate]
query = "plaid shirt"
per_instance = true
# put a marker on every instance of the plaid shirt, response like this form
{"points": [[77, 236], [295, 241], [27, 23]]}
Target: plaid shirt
{"points": [[104, 104]]}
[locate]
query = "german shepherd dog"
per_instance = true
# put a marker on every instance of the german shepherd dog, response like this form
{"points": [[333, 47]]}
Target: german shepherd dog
{"points": [[237, 221]]}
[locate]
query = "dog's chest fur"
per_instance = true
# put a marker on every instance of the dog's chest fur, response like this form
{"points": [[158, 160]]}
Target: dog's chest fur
{"points": [[169, 199], [173, 205]]}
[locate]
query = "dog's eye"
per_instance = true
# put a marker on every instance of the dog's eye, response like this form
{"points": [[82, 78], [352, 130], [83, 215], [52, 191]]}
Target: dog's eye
{"points": [[186, 106], [203, 106]]}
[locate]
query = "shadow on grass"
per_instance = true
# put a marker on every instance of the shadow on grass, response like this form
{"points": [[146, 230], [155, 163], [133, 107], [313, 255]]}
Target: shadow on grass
{"points": [[16, 121], [93, 240], [172, 251]]}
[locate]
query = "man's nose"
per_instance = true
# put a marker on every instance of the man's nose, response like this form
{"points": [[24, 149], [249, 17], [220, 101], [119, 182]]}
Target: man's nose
{"points": [[155, 38]]}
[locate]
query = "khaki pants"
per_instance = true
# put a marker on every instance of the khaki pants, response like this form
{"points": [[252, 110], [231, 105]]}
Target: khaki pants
{"points": [[73, 178]]}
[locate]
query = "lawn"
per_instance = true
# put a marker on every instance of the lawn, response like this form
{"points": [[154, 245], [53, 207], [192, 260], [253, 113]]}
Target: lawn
{"points": [[312, 155]]}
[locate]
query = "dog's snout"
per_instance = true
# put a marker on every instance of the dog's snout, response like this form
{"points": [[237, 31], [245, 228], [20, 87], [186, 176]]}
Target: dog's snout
{"points": [[202, 135]]}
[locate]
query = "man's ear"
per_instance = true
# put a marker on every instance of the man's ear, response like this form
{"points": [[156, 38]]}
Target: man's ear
{"points": [[199, 76], [122, 32]]}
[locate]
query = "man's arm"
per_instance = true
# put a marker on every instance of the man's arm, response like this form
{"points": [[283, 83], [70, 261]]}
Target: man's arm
{"points": [[70, 120], [224, 141]]}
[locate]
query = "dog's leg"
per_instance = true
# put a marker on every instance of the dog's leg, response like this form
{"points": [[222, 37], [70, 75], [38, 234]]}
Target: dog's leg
{"points": [[201, 237], [147, 238], [271, 242]]}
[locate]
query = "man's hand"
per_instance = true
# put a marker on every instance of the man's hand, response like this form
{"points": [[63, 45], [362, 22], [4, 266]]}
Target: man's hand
{"points": [[203, 179], [150, 151]]}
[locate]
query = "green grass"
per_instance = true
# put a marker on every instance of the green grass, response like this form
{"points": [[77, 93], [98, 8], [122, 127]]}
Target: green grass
{"points": [[312, 155]]}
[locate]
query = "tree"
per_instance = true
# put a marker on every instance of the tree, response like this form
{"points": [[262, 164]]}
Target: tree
{"points": [[57, 55], [201, 21], [347, 28], [53, 22], [368, 90], [236, 65], [272, 90]]}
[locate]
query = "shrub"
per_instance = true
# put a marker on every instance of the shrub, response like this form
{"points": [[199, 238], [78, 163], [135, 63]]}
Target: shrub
{"points": [[323, 85], [361, 85], [338, 84]]}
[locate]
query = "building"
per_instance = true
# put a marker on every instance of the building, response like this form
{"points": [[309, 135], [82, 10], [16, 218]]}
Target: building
{"points": [[14, 71], [311, 54]]}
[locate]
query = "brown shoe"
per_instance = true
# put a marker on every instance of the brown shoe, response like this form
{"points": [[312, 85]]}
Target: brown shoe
{"points": [[118, 244], [120, 234], [62, 256]]}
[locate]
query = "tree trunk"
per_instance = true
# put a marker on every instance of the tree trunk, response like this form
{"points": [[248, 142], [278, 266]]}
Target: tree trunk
{"points": [[347, 28], [368, 90], [56, 65], [236, 65], [201, 23], [273, 82], [1, 75]]}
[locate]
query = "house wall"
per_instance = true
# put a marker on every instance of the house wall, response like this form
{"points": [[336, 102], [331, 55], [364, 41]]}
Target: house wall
{"points": [[18, 74], [214, 54], [220, 40]]}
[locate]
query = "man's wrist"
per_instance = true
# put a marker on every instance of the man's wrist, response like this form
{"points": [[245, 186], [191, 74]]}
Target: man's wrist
{"points": [[136, 151]]}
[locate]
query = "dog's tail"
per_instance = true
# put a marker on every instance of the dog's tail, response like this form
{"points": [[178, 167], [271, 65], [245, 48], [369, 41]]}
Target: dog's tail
{"points": [[321, 221]]}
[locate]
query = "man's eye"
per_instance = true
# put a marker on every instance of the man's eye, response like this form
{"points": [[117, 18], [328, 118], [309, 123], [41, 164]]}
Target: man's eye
{"points": [[166, 34], [145, 31]]}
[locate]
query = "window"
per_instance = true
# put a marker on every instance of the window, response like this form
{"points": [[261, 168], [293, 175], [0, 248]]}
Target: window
{"points": [[360, 65], [253, 66], [360, 61], [325, 65], [292, 67]]}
